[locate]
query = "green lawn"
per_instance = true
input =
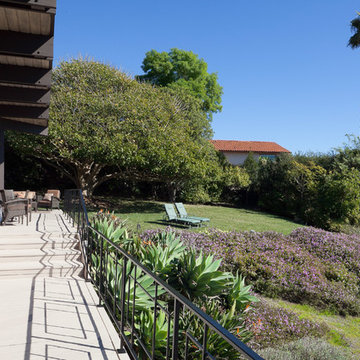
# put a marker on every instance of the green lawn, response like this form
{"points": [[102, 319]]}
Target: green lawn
{"points": [[150, 215]]}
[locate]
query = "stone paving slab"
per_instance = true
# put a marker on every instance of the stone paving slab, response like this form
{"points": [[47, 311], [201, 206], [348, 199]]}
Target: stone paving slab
{"points": [[44, 316]]}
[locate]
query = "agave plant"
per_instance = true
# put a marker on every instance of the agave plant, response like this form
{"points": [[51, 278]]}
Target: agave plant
{"points": [[112, 228], [161, 254], [199, 276], [145, 288], [145, 327], [239, 293], [216, 345]]}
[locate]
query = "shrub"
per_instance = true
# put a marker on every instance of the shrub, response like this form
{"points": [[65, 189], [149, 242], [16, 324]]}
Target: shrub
{"points": [[320, 197], [339, 249], [306, 348], [336, 199], [197, 194]]}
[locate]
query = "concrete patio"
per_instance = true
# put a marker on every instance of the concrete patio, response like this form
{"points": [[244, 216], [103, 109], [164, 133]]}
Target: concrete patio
{"points": [[47, 310]]}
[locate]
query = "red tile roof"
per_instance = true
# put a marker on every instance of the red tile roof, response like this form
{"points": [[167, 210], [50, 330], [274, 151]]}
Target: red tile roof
{"points": [[247, 146]]}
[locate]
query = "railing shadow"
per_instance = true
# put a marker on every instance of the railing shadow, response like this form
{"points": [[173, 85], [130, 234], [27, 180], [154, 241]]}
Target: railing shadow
{"points": [[53, 301]]}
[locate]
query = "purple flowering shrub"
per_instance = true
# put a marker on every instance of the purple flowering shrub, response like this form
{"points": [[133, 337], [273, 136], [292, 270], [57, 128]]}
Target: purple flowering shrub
{"points": [[339, 249], [309, 266], [272, 326]]}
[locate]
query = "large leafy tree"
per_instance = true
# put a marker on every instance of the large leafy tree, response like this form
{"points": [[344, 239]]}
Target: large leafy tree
{"points": [[104, 125], [85, 123], [183, 69]]}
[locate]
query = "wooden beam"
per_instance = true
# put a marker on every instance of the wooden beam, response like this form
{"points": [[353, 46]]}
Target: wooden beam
{"points": [[44, 6], [21, 44], [32, 3], [25, 75], [25, 112], [6, 124], [32, 95], [37, 122]]}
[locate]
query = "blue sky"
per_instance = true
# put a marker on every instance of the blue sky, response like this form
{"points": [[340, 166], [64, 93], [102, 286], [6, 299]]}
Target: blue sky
{"points": [[286, 71]]}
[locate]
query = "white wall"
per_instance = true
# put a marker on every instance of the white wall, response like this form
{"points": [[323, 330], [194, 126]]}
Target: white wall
{"points": [[238, 158]]}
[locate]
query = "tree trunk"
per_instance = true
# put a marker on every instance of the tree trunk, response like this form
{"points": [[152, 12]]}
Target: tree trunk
{"points": [[87, 178], [172, 191]]}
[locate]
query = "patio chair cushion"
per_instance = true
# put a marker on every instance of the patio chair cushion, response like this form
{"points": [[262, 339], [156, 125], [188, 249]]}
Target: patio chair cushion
{"points": [[56, 193], [20, 194], [48, 196], [31, 195]]}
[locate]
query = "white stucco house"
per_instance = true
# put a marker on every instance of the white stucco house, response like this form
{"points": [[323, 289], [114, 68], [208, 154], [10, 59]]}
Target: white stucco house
{"points": [[236, 152]]}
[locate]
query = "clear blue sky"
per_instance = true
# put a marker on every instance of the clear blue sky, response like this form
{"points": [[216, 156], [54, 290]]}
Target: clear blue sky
{"points": [[286, 71]]}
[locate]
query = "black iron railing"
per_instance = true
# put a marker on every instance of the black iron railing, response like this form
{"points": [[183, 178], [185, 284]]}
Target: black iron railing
{"points": [[147, 312]]}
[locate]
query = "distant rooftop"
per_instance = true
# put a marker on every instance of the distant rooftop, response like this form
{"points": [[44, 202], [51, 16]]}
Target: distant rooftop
{"points": [[247, 146]]}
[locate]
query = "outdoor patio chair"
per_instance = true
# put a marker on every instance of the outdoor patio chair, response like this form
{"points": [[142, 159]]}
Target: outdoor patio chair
{"points": [[183, 214], [12, 207], [51, 200], [31, 196], [172, 217]]}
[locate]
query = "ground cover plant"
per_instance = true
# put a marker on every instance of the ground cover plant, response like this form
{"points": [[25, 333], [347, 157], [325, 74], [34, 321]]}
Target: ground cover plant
{"points": [[273, 326], [306, 348], [308, 266], [344, 331]]}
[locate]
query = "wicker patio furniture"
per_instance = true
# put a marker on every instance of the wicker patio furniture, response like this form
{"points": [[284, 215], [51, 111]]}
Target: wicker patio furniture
{"points": [[51, 200], [13, 207]]}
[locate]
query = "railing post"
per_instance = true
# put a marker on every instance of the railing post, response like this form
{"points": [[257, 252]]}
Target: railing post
{"points": [[122, 305], [101, 285], [203, 355], [86, 252], [154, 323], [175, 344], [79, 207]]}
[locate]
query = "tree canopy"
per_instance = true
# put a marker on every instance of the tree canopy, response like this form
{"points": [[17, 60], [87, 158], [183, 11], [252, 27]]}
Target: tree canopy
{"points": [[354, 40], [183, 69], [104, 125], [85, 122]]}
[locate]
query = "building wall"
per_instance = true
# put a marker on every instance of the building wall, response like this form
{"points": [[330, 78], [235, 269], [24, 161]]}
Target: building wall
{"points": [[238, 158]]}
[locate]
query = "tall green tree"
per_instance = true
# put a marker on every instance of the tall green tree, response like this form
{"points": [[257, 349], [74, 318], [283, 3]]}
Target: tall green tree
{"points": [[183, 69], [85, 122], [105, 125], [354, 40]]}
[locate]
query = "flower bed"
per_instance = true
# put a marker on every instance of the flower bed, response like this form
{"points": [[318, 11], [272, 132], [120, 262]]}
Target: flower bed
{"points": [[273, 326], [308, 266]]}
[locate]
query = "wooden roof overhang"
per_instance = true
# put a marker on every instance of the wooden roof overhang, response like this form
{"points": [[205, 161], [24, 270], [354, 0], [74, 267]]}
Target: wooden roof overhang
{"points": [[26, 56]]}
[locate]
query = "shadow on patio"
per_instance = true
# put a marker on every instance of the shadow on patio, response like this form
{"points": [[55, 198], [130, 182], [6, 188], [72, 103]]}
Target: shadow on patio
{"points": [[48, 311]]}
